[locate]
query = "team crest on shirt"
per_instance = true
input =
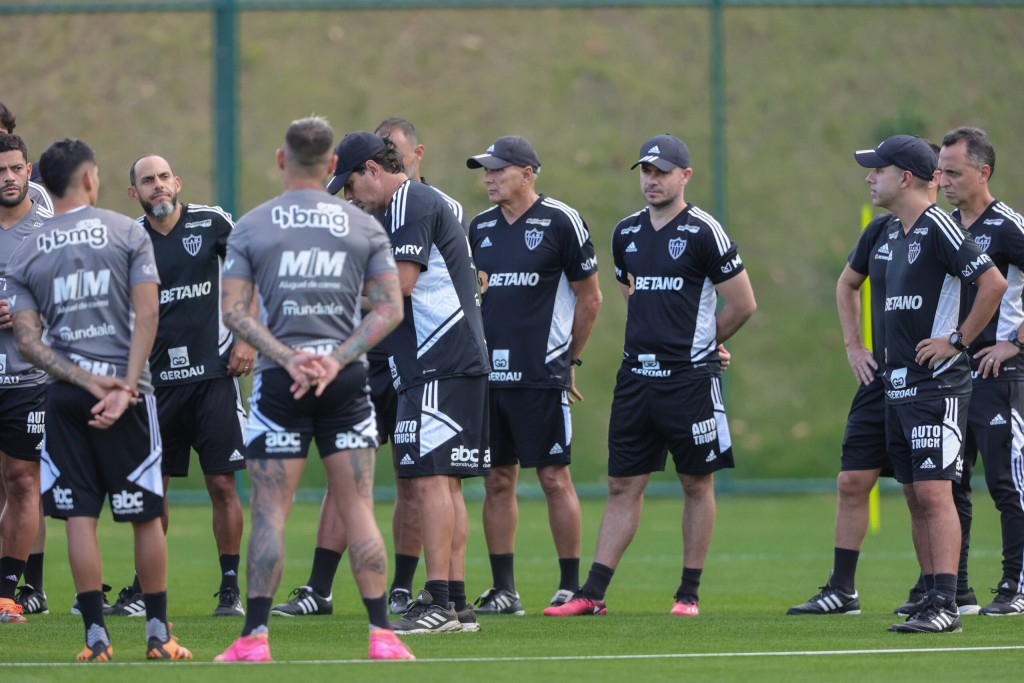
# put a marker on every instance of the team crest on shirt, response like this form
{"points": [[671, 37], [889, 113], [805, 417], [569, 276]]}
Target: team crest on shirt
{"points": [[914, 251], [983, 241], [192, 243], [533, 238], [676, 247]]}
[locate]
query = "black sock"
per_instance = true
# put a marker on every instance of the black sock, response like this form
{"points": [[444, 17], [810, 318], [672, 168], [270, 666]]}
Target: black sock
{"points": [[502, 569], [844, 569], [929, 581], [597, 581], [90, 604], [457, 594], [439, 592], [34, 571], [690, 583], [377, 610], [919, 586], [569, 568], [11, 570], [156, 616], [136, 586], [405, 571], [229, 571], [945, 587], [257, 614], [325, 566]]}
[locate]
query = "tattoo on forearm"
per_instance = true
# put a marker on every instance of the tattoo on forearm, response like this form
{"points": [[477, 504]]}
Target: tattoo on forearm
{"points": [[241, 321], [28, 333], [385, 299]]}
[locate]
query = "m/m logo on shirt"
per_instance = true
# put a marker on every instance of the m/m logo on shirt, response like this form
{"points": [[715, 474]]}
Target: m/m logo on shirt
{"points": [[311, 263], [81, 284]]}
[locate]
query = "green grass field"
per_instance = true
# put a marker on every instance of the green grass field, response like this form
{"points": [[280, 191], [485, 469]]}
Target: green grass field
{"points": [[768, 553]]}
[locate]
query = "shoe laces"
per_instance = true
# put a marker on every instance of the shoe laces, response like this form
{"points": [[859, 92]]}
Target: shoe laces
{"points": [[227, 596], [11, 606], [24, 592]]}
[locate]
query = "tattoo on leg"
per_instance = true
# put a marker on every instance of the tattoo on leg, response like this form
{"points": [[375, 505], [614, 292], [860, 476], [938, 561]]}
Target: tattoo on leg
{"points": [[362, 461], [368, 555], [265, 562]]}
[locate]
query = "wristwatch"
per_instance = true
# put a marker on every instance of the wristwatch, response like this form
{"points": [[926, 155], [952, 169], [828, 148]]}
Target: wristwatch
{"points": [[1013, 340], [956, 340]]}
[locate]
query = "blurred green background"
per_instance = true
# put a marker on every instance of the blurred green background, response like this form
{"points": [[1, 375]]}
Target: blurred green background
{"points": [[804, 89]]}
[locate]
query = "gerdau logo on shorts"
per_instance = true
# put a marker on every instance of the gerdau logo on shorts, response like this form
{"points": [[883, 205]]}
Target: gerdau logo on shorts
{"points": [[127, 503]]}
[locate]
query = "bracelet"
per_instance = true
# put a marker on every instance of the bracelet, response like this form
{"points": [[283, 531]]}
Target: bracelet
{"points": [[577, 362]]}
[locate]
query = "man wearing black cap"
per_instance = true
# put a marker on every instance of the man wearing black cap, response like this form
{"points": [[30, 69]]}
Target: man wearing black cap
{"points": [[927, 375], [672, 260], [439, 367], [538, 278]]}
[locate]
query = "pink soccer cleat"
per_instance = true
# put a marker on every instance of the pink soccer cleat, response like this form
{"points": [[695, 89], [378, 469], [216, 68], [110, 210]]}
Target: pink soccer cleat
{"points": [[685, 607], [578, 606], [384, 644], [251, 648]]}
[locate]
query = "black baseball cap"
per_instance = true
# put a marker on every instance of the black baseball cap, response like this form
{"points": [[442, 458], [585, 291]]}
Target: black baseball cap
{"points": [[907, 152], [354, 150], [510, 150], [664, 152]]}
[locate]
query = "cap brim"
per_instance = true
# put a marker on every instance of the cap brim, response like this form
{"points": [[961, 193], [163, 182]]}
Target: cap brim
{"points": [[486, 161], [869, 158], [657, 162], [338, 182]]}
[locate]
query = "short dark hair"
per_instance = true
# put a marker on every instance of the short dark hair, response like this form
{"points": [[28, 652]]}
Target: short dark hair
{"points": [[389, 158], [60, 161], [13, 143], [389, 125], [6, 118], [979, 149], [308, 144], [131, 171]]}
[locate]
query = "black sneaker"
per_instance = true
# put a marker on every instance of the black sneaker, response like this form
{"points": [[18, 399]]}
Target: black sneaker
{"points": [[967, 603], [467, 618], [230, 604], [305, 601], [1009, 600], [561, 597], [129, 604], [916, 600], [829, 601], [494, 601], [107, 607], [423, 616], [399, 600], [934, 618], [31, 600]]}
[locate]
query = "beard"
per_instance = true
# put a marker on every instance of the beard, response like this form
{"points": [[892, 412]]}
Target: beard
{"points": [[9, 202], [161, 210]]}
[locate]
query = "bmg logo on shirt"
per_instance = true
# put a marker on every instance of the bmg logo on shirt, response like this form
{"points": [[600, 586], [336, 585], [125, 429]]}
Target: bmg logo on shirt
{"points": [[178, 357]]}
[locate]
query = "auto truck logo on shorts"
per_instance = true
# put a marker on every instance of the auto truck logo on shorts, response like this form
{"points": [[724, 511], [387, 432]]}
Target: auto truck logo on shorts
{"points": [[533, 238]]}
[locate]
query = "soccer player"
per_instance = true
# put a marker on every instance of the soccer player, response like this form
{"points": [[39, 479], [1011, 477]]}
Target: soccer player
{"points": [[967, 162], [864, 456], [315, 596], [309, 256], [31, 595], [36, 192], [538, 278], [672, 260], [438, 362], [927, 374], [194, 364], [89, 276], [22, 395]]}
